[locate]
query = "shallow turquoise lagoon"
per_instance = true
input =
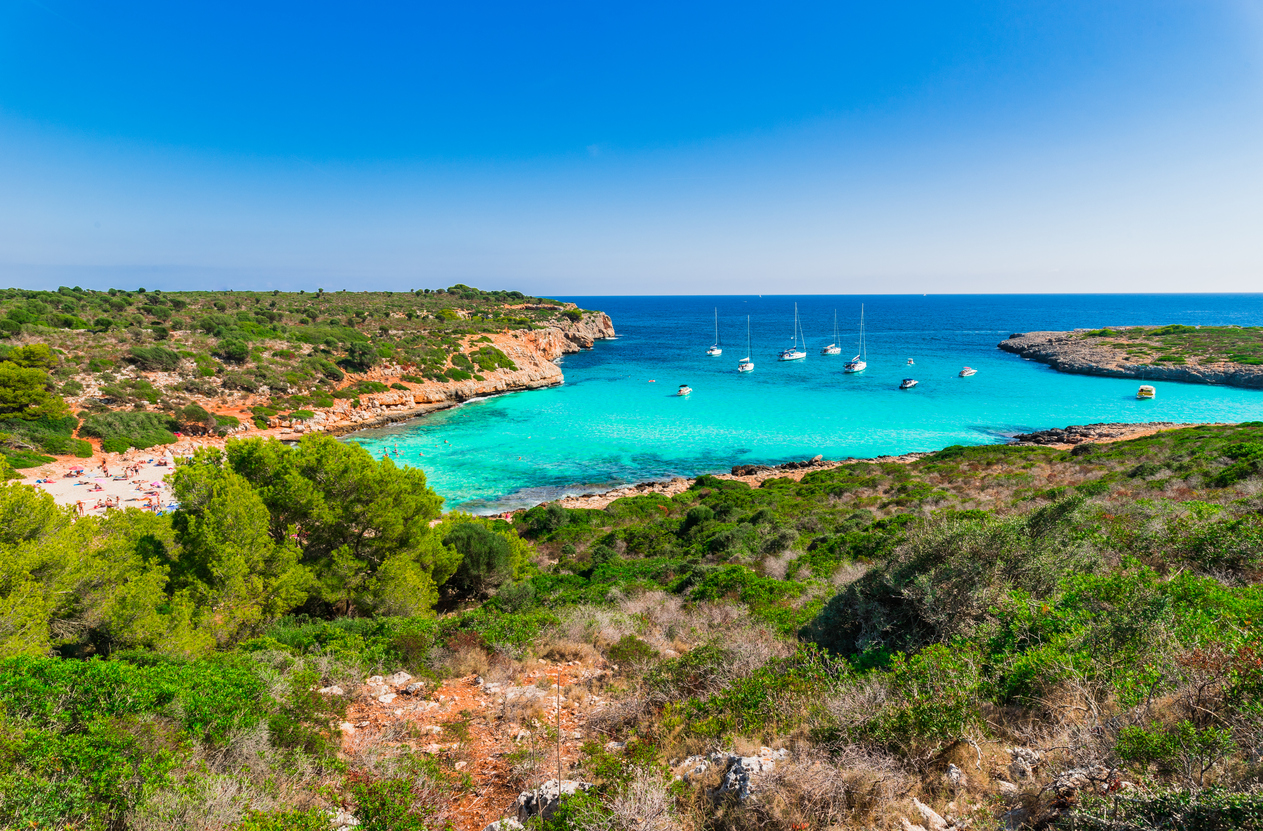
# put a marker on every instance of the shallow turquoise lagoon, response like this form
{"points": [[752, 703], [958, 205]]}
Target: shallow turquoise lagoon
{"points": [[617, 420]]}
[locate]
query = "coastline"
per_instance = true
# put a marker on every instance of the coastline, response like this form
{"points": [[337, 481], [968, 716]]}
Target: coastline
{"points": [[1072, 352], [534, 353], [755, 475]]}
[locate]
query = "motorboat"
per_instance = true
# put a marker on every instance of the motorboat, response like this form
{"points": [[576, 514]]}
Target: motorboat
{"points": [[1146, 392], [795, 352], [908, 383], [911, 362], [716, 349], [860, 362], [684, 389], [967, 371], [833, 348], [746, 365]]}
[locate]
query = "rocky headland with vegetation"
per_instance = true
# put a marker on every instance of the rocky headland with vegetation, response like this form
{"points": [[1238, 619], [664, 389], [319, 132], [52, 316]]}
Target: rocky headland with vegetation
{"points": [[88, 372], [1229, 355]]}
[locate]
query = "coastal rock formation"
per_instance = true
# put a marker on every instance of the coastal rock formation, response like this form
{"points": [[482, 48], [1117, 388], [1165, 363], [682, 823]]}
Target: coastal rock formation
{"points": [[533, 352], [1073, 352], [1080, 433]]}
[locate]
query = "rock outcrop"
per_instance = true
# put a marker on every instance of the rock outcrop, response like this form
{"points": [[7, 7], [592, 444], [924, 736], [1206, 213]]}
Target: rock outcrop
{"points": [[534, 354], [1071, 352], [1086, 433], [543, 802]]}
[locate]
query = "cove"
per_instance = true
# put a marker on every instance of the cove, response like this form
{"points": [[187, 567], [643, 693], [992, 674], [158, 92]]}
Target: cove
{"points": [[616, 420]]}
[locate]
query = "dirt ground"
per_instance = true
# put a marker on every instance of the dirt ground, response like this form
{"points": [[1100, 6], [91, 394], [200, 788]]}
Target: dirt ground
{"points": [[503, 735]]}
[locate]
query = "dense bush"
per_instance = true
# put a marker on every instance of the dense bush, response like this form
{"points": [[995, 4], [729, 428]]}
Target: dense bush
{"points": [[485, 559], [141, 430], [155, 358]]}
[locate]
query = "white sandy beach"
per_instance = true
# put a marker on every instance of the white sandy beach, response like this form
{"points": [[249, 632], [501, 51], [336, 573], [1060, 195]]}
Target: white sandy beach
{"points": [[135, 479]]}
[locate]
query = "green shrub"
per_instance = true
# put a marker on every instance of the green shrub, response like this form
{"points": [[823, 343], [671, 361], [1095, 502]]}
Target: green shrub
{"points": [[21, 459], [233, 350], [140, 429], [631, 650], [389, 804], [485, 559]]}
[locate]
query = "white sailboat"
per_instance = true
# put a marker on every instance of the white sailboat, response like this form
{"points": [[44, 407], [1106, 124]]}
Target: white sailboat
{"points": [[716, 349], [859, 363], [833, 348], [746, 364], [794, 353]]}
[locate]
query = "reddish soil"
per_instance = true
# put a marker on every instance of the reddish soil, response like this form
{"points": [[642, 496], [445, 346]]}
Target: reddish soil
{"points": [[475, 727]]}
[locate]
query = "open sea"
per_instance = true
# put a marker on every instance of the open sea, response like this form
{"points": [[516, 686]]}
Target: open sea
{"points": [[617, 419]]}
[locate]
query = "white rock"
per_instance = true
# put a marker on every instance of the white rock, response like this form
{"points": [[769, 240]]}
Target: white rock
{"points": [[399, 679], [387, 698], [506, 824], [348, 728], [334, 690]]}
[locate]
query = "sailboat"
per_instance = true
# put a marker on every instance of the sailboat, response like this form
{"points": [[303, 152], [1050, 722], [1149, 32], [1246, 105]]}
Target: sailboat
{"points": [[716, 349], [746, 364], [858, 363], [794, 353], [833, 348]]}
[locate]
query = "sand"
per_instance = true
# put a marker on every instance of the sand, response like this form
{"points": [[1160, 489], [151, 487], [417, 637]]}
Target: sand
{"points": [[137, 478]]}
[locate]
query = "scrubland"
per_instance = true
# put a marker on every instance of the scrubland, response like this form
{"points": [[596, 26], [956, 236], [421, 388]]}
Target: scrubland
{"points": [[991, 637]]}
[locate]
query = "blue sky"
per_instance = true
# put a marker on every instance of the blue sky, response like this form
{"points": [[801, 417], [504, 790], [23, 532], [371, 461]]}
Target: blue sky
{"points": [[643, 148]]}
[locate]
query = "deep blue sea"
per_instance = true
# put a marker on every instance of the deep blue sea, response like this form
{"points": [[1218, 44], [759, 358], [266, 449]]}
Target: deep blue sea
{"points": [[617, 420]]}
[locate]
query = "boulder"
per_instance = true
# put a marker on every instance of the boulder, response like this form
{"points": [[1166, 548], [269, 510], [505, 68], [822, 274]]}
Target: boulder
{"points": [[399, 679], [506, 824], [543, 802]]}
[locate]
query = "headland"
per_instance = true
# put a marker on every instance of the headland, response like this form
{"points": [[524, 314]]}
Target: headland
{"points": [[1228, 355]]}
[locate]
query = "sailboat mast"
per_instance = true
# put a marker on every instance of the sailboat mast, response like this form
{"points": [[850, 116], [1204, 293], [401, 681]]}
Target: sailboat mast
{"points": [[863, 343]]}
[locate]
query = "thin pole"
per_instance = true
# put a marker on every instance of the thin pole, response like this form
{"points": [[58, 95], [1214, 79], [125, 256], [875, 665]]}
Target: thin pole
{"points": [[558, 732]]}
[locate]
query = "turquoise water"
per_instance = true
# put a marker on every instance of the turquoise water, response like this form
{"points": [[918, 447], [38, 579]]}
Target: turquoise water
{"points": [[616, 419]]}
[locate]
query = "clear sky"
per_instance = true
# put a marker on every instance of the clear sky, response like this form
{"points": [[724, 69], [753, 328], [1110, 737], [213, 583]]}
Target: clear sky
{"points": [[638, 148]]}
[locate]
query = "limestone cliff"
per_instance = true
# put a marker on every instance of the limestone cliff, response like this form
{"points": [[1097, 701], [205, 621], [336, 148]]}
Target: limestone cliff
{"points": [[534, 352]]}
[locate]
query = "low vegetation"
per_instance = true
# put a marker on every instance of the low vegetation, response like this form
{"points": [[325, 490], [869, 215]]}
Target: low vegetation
{"points": [[1018, 636], [183, 358], [1180, 344]]}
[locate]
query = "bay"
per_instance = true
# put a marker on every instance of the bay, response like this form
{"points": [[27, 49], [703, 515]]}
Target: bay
{"points": [[617, 419]]}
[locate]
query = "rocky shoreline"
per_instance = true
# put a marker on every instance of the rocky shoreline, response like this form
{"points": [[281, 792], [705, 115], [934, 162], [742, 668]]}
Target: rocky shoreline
{"points": [[1073, 352], [754, 475], [1100, 433], [535, 354]]}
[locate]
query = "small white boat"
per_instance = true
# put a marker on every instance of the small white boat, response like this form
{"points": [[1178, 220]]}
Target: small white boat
{"points": [[794, 353], [910, 362], [684, 389], [746, 365], [967, 371], [860, 362], [908, 383], [716, 349], [833, 348], [1146, 392]]}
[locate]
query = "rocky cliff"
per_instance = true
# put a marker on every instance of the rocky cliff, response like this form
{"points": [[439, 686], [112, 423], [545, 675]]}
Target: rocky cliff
{"points": [[534, 352], [1072, 352]]}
